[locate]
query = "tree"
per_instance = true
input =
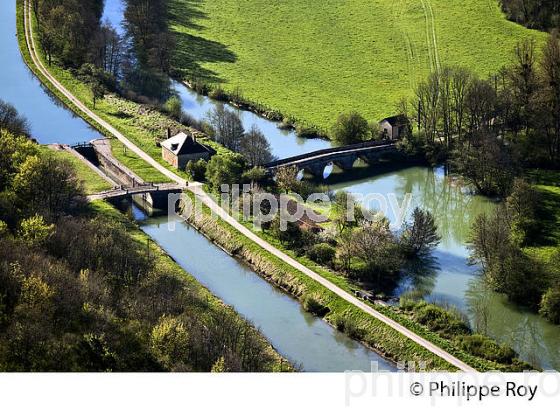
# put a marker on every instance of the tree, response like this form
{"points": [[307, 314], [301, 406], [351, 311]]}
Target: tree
{"points": [[347, 212], [487, 163], [291, 236], [34, 231], [170, 343], [255, 175], [255, 147], [507, 269], [14, 150], [549, 98], [350, 129], [228, 127], [420, 236], [197, 169], [173, 107], [287, 178], [11, 122], [376, 246], [224, 170], [47, 186], [550, 305], [97, 91]]}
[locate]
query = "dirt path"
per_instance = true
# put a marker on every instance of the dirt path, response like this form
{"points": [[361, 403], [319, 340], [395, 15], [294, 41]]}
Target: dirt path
{"points": [[210, 203], [81, 107]]}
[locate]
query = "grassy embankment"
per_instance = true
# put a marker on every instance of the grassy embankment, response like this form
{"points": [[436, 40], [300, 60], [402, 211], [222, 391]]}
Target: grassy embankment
{"points": [[547, 184], [341, 314], [143, 125], [92, 182], [315, 61]]}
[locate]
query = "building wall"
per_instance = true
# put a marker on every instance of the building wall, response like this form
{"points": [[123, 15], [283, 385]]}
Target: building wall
{"points": [[386, 126], [180, 162], [170, 157]]}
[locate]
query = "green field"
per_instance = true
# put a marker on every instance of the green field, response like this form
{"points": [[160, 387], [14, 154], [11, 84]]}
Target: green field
{"points": [[314, 60]]}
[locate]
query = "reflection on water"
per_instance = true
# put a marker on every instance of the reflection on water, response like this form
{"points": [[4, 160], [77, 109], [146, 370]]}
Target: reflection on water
{"points": [[283, 143], [49, 121], [447, 277], [296, 334]]}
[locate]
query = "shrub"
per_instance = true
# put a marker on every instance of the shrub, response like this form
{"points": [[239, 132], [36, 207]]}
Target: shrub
{"points": [[218, 94], [439, 320], [322, 253], [197, 169], [350, 129], [487, 348], [313, 305], [550, 305], [349, 326], [173, 107], [307, 132]]}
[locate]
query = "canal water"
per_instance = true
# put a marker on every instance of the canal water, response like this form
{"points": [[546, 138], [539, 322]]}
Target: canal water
{"points": [[49, 120], [447, 279], [299, 336]]}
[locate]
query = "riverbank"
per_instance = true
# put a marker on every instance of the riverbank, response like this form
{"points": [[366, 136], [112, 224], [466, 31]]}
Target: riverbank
{"points": [[85, 96], [388, 342], [341, 314], [274, 270], [111, 111]]}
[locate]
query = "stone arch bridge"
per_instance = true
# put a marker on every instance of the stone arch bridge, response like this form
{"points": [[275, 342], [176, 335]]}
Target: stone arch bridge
{"points": [[343, 157]]}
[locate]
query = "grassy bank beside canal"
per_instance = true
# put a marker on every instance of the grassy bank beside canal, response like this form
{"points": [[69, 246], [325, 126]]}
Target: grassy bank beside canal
{"points": [[92, 182], [336, 311], [142, 124]]}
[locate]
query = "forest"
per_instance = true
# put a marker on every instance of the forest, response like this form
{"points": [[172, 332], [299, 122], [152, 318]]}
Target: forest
{"points": [[537, 14], [82, 289]]}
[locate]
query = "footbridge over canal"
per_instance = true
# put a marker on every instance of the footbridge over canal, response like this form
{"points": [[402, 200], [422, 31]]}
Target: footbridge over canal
{"points": [[156, 195], [343, 157]]}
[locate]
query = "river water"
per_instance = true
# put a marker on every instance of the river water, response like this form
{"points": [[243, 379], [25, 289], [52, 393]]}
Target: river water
{"points": [[299, 336], [448, 278]]}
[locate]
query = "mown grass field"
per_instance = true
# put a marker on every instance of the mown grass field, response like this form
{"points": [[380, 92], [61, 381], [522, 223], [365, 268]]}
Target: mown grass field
{"points": [[313, 60]]}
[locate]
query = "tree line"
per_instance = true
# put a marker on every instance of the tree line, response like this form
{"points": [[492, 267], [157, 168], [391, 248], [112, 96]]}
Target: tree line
{"points": [[536, 14], [78, 293], [491, 128], [136, 63], [499, 241]]}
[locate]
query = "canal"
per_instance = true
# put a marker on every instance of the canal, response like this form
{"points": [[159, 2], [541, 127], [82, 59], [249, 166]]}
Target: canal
{"points": [[302, 338], [447, 279], [49, 120]]}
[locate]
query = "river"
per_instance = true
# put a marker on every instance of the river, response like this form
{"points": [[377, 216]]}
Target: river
{"points": [[448, 279]]}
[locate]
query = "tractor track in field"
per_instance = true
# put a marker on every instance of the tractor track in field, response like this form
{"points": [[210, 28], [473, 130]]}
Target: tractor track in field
{"points": [[431, 35]]}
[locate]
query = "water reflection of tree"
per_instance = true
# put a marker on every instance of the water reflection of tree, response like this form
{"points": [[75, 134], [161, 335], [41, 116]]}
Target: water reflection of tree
{"points": [[420, 275], [454, 210], [491, 314]]}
